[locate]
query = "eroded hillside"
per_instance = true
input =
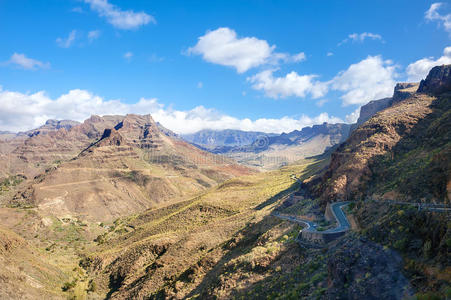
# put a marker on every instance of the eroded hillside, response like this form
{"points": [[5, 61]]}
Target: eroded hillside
{"points": [[132, 166], [401, 153]]}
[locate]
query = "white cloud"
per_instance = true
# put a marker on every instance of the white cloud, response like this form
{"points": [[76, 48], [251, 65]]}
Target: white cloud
{"points": [[222, 46], [128, 55], [122, 19], [27, 63], [200, 85], [298, 57], [93, 35], [321, 102], [432, 14], [369, 79], [22, 112], [418, 70], [287, 58], [353, 116], [360, 37], [292, 84], [67, 42], [330, 53]]}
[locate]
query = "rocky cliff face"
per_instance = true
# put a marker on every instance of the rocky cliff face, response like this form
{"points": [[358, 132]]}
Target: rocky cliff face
{"points": [[371, 108], [402, 91], [437, 82]]}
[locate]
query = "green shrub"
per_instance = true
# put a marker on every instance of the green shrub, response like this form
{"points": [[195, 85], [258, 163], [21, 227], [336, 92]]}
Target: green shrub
{"points": [[69, 285]]}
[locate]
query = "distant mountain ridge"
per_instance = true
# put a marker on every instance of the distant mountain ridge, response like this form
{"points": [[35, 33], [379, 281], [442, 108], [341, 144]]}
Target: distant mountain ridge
{"points": [[51, 125], [211, 139], [271, 151], [229, 141]]}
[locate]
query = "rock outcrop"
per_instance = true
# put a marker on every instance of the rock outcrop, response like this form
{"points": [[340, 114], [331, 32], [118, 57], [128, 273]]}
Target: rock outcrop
{"points": [[371, 108], [437, 82], [402, 91]]}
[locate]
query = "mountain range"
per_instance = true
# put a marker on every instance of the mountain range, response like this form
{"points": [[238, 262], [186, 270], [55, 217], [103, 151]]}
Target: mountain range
{"points": [[119, 207], [215, 140], [116, 164]]}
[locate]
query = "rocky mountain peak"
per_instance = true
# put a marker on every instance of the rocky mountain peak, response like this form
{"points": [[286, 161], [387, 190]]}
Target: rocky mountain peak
{"points": [[139, 130], [438, 81], [93, 119], [111, 137]]}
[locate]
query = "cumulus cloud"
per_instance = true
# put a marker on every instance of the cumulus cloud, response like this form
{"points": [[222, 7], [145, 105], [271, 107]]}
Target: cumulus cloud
{"points": [[418, 70], [93, 35], [121, 19], [223, 46], [353, 116], [369, 79], [22, 112], [67, 42], [361, 37], [292, 84], [432, 14], [27, 63]]}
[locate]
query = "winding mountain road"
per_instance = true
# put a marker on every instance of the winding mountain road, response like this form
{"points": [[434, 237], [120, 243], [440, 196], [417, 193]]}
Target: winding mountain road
{"points": [[342, 221], [340, 217]]}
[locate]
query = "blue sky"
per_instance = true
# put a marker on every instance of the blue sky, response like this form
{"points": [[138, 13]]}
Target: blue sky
{"points": [[252, 65]]}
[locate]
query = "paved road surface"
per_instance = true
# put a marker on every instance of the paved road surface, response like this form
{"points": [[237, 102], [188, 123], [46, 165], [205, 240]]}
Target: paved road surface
{"points": [[340, 217]]}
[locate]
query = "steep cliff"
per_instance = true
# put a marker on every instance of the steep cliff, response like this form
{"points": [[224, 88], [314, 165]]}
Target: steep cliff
{"points": [[401, 152]]}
